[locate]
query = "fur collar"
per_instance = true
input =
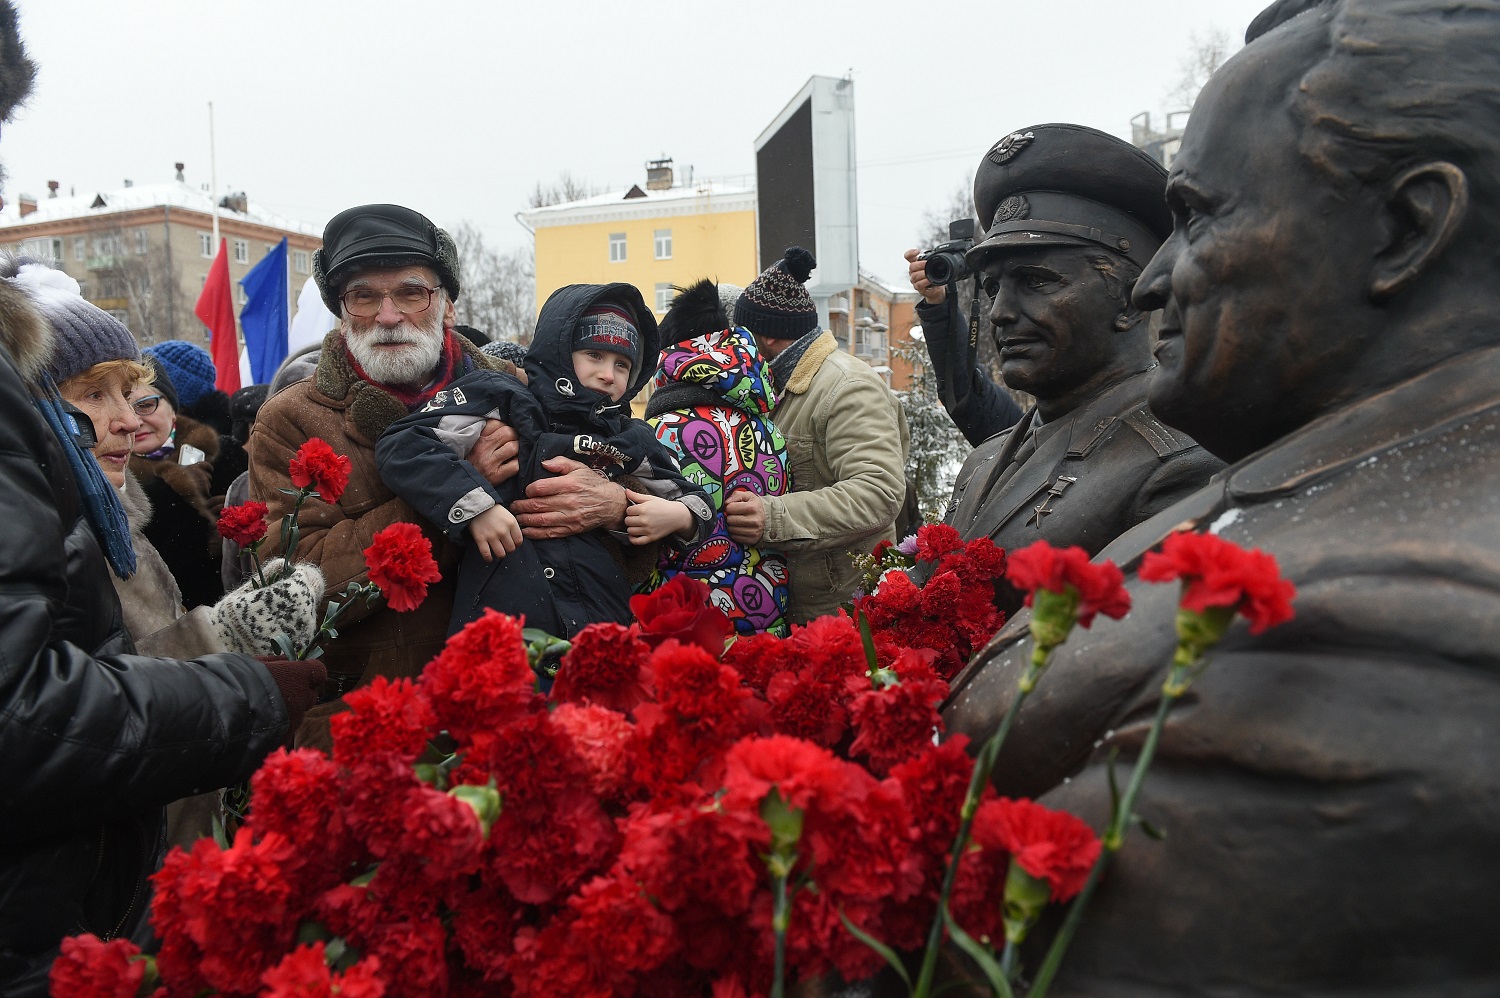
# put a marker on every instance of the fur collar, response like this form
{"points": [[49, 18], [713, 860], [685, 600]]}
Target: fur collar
{"points": [[369, 406], [137, 505], [24, 332], [818, 351]]}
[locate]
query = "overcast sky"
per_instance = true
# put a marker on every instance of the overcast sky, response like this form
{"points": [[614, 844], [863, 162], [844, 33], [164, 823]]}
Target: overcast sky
{"points": [[459, 108]]}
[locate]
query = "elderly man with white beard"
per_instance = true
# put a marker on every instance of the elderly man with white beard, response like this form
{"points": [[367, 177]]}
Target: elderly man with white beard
{"points": [[392, 276]]}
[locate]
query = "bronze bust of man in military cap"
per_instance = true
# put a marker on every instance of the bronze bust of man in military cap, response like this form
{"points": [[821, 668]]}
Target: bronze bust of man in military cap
{"points": [[1330, 790], [1072, 215]]}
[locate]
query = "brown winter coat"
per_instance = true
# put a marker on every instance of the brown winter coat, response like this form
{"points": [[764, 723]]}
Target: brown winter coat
{"points": [[350, 415]]}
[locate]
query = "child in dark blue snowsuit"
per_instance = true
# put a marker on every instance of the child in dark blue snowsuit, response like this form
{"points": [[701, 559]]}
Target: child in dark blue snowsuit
{"points": [[594, 346]]}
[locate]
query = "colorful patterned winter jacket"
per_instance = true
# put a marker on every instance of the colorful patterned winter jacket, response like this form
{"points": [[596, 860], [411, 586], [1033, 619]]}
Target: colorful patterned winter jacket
{"points": [[711, 402]]}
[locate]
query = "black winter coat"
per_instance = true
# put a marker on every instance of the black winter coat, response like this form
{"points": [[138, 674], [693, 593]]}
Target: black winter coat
{"points": [[94, 739]]}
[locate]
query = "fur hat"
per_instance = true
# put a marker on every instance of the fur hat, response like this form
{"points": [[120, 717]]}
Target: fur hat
{"points": [[697, 310], [381, 235], [189, 366], [83, 333], [776, 305]]}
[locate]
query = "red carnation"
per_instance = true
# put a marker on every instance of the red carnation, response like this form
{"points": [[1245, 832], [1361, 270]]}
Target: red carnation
{"points": [[1050, 845], [244, 524], [601, 737], [937, 539], [896, 723], [92, 968], [382, 717], [317, 465], [401, 564], [604, 666], [304, 973], [681, 609], [293, 795], [481, 681], [1100, 588], [1220, 573]]}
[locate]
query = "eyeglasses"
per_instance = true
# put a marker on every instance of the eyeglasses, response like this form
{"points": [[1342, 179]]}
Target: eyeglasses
{"points": [[146, 406], [408, 299]]}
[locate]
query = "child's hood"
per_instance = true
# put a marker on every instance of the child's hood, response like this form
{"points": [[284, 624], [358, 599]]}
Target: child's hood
{"points": [[549, 361], [699, 350]]}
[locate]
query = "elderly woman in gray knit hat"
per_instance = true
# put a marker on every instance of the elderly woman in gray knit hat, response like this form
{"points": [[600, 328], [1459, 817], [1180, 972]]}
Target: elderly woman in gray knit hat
{"points": [[97, 367]]}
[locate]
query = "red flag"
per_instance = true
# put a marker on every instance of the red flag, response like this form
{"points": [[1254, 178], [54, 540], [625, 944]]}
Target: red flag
{"points": [[216, 308]]}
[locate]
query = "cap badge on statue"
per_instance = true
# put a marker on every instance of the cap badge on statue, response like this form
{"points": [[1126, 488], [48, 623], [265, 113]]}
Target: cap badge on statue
{"points": [[1013, 207], [1009, 147]]}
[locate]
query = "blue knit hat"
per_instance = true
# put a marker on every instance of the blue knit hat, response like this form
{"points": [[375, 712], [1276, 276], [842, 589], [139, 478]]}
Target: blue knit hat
{"points": [[189, 366]]}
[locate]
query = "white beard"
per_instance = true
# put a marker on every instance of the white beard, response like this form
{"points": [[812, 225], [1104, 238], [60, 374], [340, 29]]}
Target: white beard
{"points": [[412, 365]]}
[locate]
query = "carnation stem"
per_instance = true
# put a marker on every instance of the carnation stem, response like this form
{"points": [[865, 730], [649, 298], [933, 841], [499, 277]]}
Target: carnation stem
{"points": [[1112, 840], [779, 923], [260, 573], [1008, 960], [984, 764]]}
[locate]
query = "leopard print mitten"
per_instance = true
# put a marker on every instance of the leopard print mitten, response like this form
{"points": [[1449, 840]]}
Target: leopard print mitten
{"points": [[249, 619]]}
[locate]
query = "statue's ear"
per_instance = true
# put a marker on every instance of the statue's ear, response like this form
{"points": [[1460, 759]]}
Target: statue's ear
{"points": [[1424, 208]]}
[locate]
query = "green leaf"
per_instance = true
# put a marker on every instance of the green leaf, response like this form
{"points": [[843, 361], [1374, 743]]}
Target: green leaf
{"points": [[312, 932], [363, 880], [879, 947], [980, 955], [287, 492], [220, 837], [315, 653], [1150, 830], [284, 645], [869, 642], [1114, 785]]}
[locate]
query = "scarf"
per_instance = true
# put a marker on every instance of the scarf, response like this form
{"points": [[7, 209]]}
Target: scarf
{"points": [[784, 364], [450, 364], [167, 447], [101, 503]]}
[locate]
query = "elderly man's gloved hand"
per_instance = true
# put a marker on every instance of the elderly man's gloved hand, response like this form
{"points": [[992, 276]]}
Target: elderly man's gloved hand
{"points": [[249, 619]]}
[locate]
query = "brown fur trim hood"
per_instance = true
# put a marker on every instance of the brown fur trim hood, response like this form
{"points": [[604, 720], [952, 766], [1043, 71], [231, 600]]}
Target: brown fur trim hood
{"points": [[23, 332]]}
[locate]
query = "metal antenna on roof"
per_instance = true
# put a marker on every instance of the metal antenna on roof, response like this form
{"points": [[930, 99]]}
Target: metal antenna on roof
{"points": [[213, 175]]}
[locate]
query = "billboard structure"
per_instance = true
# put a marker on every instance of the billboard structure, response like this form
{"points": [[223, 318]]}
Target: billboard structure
{"points": [[804, 179]]}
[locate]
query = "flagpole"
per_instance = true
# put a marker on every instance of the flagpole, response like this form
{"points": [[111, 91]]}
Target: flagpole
{"points": [[213, 174]]}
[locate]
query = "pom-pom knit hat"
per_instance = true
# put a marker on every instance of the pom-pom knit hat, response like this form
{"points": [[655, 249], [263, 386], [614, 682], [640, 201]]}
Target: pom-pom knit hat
{"points": [[83, 333], [190, 368], [776, 305]]}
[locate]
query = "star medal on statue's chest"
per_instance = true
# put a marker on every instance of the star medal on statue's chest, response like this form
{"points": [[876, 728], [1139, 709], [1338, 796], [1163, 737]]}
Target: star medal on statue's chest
{"points": [[1055, 492]]}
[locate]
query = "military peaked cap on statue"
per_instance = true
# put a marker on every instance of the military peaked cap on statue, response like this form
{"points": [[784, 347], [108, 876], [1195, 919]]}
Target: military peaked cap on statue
{"points": [[381, 235], [1067, 185]]}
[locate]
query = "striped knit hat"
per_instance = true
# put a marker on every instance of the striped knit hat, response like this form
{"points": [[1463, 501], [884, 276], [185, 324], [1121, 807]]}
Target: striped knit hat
{"points": [[776, 305]]}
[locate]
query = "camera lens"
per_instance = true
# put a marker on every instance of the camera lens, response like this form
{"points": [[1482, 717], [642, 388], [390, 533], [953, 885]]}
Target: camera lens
{"points": [[944, 268]]}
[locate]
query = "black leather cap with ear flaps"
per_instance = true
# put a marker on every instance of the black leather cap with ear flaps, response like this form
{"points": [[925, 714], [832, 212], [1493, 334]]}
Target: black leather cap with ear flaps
{"points": [[381, 235]]}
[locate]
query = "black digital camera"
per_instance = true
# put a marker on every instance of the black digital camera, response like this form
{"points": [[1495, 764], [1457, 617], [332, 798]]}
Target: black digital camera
{"points": [[945, 261]]}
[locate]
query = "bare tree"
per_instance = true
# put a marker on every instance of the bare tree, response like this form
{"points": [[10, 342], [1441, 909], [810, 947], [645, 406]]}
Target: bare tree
{"points": [[499, 289], [1207, 53], [566, 188], [133, 268]]}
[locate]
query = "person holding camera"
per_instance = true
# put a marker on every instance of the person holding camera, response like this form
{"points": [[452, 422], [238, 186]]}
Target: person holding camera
{"points": [[1074, 215]]}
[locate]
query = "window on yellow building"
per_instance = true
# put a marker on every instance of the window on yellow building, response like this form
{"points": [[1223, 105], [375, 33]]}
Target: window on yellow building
{"points": [[664, 244], [663, 297], [617, 247]]}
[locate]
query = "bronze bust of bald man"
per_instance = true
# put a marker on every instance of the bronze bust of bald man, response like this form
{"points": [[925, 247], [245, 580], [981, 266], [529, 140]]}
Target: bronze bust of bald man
{"points": [[1330, 790], [1072, 215]]}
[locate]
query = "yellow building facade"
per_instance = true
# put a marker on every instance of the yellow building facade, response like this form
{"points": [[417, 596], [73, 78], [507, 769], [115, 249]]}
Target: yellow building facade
{"points": [[653, 239]]}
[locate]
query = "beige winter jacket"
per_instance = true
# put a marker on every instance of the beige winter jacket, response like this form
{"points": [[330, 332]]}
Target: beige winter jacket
{"points": [[847, 439], [150, 599]]}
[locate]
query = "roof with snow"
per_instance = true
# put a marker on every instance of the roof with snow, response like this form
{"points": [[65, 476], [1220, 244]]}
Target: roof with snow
{"points": [[638, 201], [175, 193]]}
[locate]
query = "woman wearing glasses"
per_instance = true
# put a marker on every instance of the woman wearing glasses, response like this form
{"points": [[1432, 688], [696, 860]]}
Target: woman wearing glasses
{"points": [[177, 463]]}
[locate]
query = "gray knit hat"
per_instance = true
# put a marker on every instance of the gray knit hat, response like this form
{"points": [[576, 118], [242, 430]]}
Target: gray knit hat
{"points": [[83, 333]]}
